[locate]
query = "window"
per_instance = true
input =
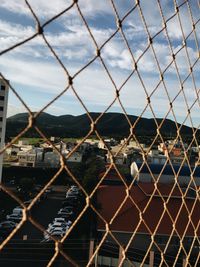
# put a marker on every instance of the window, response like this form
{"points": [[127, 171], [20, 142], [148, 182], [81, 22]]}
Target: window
{"points": [[3, 88], [1, 119], [1, 108], [1, 97]]}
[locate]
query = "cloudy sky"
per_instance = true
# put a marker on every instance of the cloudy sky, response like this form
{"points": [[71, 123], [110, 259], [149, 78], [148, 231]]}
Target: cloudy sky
{"points": [[38, 77]]}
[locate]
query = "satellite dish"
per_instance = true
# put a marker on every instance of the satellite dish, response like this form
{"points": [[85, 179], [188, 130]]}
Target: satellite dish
{"points": [[134, 171]]}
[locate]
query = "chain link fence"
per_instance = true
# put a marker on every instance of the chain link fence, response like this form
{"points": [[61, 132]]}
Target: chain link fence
{"points": [[112, 248]]}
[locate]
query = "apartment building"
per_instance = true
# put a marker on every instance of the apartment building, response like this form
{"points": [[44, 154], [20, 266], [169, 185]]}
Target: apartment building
{"points": [[3, 111]]}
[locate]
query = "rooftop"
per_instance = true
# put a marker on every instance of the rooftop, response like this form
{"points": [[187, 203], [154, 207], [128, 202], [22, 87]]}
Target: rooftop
{"points": [[128, 218]]}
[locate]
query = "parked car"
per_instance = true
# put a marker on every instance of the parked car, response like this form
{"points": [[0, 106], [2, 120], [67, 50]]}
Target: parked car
{"points": [[68, 208], [75, 187], [65, 212], [54, 225], [49, 190], [72, 193], [71, 197], [12, 182], [18, 210], [65, 216], [56, 234], [58, 230], [14, 217], [62, 220], [69, 202], [53, 229], [8, 224], [6, 227]]}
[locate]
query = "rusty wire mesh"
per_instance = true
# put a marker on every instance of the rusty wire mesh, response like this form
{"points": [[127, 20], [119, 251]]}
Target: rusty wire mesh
{"points": [[135, 72]]}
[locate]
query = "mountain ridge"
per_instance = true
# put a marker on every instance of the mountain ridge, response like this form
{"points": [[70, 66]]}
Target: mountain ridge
{"points": [[110, 124]]}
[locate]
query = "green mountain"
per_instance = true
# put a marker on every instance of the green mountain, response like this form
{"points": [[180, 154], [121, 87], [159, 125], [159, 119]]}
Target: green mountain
{"points": [[110, 124]]}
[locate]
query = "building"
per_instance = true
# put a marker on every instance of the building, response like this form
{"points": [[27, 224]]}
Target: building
{"points": [[162, 174], [30, 158], [144, 215], [155, 157], [167, 174], [107, 143], [12, 150], [4, 86]]}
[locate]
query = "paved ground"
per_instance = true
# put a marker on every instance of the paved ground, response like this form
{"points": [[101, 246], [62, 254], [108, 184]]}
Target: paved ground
{"points": [[32, 253]]}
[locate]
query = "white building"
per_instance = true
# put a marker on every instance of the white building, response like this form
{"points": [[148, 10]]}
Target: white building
{"points": [[30, 158], [12, 150], [3, 111], [107, 143], [155, 157]]}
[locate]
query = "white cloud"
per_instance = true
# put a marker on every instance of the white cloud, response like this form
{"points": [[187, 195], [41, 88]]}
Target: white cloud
{"points": [[11, 33], [76, 44], [92, 85], [41, 7], [13, 109], [46, 9], [38, 74], [10, 29], [32, 67]]}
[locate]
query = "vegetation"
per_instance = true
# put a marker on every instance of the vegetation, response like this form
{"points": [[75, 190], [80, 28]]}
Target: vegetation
{"points": [[26, 184], [110, 124], [91, 176]]}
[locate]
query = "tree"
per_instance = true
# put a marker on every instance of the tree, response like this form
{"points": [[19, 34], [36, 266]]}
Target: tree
{"points": [[26, 184], [93, 168]]}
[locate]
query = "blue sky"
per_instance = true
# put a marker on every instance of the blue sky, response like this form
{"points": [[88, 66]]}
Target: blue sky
{"points": [[38, 78]]}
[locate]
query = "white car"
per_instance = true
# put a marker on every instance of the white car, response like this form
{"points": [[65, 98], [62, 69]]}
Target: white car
{"points": [[18, 211], [71, 195], [61, 229], [66, 209], [56, 234], [54, 225], [60, 220], [74, 190], [57, 230], [14, 217], [65, 212], [74, 187]]}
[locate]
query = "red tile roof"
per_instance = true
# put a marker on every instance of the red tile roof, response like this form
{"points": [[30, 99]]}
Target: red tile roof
{"points": [[127, 220]]}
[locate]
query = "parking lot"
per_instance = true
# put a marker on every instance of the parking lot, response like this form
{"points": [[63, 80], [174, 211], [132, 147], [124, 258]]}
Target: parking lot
{"points": [[26, 245]]}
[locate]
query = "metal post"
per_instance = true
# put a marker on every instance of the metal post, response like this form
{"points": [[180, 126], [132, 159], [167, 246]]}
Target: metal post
{"points": [[151, 259], [96, 260], [91, 249], [120, 255], [184, 262]]}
